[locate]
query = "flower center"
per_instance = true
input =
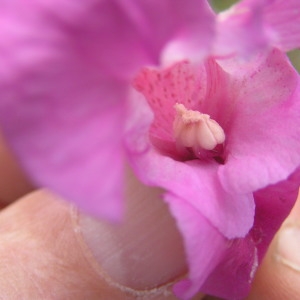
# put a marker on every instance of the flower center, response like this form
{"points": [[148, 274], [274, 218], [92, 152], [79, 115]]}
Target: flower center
{"points": [[196, 131], [178, 96]]}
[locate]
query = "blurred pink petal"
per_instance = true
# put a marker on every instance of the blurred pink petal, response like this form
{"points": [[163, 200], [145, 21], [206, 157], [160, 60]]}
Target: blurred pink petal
{"points": [[283, 18], [254, 25], [65, 71], [240, 30]]}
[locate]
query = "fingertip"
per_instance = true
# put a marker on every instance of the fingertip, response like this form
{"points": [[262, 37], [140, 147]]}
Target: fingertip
{"points": [[278, 277], [41, 257], [295, 213], [39, 254]]}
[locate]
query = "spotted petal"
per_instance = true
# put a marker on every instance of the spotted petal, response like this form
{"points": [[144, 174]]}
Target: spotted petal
{"points": [[263, 140], [195, 182]]}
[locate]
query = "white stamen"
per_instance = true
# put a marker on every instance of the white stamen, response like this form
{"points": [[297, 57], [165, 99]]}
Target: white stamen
{"points": [[196, 130]]}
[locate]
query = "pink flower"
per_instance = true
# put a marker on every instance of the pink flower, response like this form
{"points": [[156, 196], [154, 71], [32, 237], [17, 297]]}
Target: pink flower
{"points": [[224, 141], [213, 193]]}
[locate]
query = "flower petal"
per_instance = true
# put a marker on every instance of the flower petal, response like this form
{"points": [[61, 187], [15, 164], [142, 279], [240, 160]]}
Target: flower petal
{"points": [[253, 25], [194, 40], [180, 83], [227, 269], [204, 245], [232, 277], [282, 19], [240, 30], [263, 140], [194, 181], [273, 204], [68, 146], [217, 266], [65, 68]]}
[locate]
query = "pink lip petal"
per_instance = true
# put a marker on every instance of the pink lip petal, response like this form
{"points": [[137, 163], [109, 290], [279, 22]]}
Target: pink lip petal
{"points": [[231, 264]]}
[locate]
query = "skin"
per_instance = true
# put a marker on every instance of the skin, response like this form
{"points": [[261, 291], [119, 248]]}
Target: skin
{"points": [[45, 253]]}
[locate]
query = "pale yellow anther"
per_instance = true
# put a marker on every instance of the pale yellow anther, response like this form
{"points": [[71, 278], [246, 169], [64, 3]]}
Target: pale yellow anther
{"points": [[196, 130]]}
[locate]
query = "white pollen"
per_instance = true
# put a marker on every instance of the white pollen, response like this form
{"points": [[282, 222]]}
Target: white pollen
{"points": [[192, 129]]}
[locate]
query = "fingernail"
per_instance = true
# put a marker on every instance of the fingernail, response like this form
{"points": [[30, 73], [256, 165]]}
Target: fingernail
{"points": [[144, 251], [288, 247]]}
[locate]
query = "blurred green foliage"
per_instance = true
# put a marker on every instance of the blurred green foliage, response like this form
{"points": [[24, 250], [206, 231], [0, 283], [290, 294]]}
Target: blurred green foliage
{"points": [[295, 58], [220, 5]]}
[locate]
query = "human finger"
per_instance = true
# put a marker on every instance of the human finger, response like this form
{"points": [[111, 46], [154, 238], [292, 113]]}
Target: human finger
{"points": [[49, 250], [278, 277]]}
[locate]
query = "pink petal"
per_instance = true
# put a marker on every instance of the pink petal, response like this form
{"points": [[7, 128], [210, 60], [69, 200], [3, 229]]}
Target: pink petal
{"points": [[263, 140], [253, 25], [240, 30], [283, 18], [65, 68], [204, 245], [68, 146], [227, 269], [232, 277], [217, 266], [273, 204], [180, 83], [195, 181], [192, 41]]}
